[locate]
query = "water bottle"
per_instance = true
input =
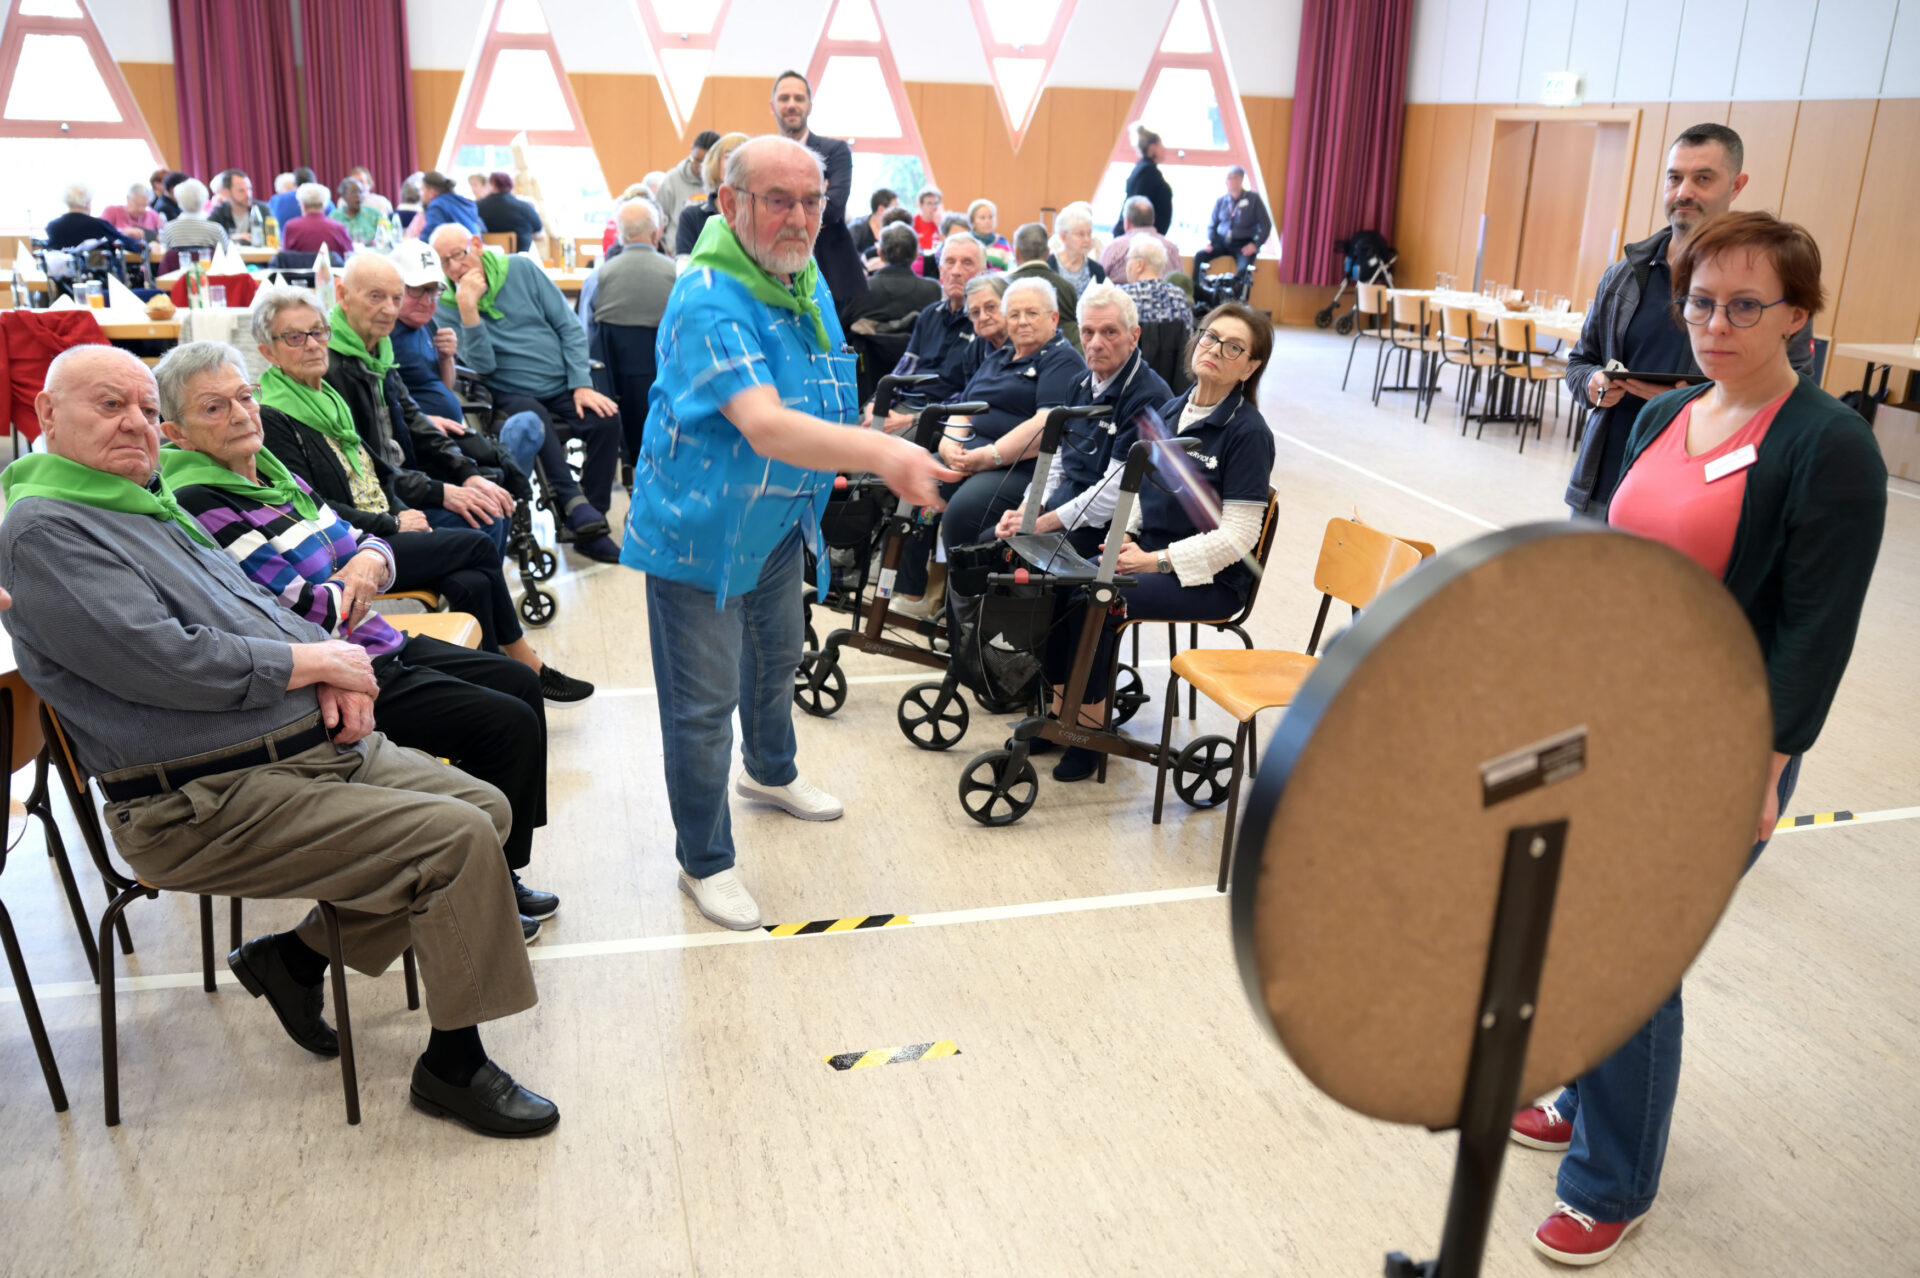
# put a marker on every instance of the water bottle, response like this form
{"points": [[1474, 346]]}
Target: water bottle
{"points": [[569, 252]]}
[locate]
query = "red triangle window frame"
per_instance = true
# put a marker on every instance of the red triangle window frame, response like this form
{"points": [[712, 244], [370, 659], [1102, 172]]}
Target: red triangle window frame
{"points": [[1047, 50], [658, 38], [908, 143], [131, 124], [473, 92]]}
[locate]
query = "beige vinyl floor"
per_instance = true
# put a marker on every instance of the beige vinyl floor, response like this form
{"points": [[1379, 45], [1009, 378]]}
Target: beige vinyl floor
{"points": [[1114, 1107]]}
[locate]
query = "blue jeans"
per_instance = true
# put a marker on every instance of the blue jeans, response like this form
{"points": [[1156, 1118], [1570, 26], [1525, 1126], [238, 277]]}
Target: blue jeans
{"points": [[1622, 1109], [496, 532], [707, 661], [521, 436]]}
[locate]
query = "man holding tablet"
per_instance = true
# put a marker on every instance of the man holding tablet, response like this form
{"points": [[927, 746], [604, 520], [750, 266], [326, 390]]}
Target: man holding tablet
{"points": [[1631, 327]]}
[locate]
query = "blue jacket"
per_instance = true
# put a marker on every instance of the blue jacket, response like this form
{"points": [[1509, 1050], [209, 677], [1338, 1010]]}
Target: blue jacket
{"points": [[451, 206], [536, 348], [1090, 444], [1235, 221], [1234, 463]]}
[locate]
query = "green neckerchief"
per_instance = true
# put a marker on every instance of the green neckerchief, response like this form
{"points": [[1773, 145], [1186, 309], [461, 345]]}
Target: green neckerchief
{"points": [[495, 266], [347, 342], [45, 475], [180, 468], [322, 410], [718, 249]]}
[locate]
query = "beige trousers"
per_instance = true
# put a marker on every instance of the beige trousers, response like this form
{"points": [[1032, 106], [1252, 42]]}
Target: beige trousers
{"points": [[404, 846]]}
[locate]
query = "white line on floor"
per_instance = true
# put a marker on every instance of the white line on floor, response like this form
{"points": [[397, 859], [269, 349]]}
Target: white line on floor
{"points": [[1376, 476], [1901, 492]]}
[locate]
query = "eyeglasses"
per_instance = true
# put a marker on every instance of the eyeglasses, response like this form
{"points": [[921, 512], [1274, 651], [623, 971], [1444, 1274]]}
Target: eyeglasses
{"points": [[448, 259], [1742, 312], [1228, 347], [424, 292], [781, 205], [297, 338]]}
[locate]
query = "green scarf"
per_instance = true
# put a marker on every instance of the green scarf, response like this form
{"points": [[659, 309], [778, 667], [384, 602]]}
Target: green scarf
{"points": [[45, 475], [495, 266], [347, 342], [322, 410], [180, 468], [718, 249]]}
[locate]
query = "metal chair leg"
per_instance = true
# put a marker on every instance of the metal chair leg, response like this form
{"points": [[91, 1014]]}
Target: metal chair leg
{"points": [[109, 1029], [1193, 693], [413, 980], [1233, 801], [234, 933], [36, 1028], [1166, 737], [206, 942], [349, 1075], [57, 849]]}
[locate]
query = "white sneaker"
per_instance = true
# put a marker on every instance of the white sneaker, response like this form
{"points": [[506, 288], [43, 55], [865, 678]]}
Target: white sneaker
{"points": [[802, 798], [723, 898]]}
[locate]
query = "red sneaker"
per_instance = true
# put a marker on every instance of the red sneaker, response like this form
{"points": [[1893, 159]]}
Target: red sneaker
{"points": [[1575, 1238], [1541, 1127]]}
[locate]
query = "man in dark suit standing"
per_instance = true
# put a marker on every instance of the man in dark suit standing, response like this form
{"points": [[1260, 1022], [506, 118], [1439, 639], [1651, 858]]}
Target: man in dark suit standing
{"points": [[833, 248]]}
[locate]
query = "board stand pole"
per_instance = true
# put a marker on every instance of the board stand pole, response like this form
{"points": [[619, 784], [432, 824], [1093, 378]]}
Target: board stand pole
{"points": [[1529, 879]]}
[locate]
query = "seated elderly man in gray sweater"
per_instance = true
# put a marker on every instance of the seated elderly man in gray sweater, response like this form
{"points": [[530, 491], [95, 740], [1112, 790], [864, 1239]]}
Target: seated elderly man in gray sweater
{"points": [[517, 331], [234, 744]]}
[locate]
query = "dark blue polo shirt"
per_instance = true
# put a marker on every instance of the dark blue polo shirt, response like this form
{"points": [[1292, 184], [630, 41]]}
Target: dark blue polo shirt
{"points": [[1015, 388], [1090, 444], [1656, 343], [419, 367], [1234, 461], [940, 336]]}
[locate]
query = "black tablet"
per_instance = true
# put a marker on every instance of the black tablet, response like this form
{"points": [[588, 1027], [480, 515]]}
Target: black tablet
{"points": [[1661, 379]]}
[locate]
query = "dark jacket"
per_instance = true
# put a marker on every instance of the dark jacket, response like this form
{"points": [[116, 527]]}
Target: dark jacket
{"points": [[396, 431], [71, 230], [1098, 272], [1093, 444], [693, 220], [1239, 221], [504, 212], [1803, 551], [1063, 290], [893, 292], [833, 249], [1604, 337], [307, 454], [1146, 179]]}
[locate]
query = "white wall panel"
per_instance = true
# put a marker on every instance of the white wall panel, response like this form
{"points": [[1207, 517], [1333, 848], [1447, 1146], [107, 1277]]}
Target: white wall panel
{"points": [[1848, 53], [1108, 43], [1709, 50], [1262, 39], [1599, 27], [440, 33], [1647, 53], [1460, 55], [1773, 50], [1549, 33], [1425, 48], [134, 30], [1501, 41], [604, 36], [1903, 54]]}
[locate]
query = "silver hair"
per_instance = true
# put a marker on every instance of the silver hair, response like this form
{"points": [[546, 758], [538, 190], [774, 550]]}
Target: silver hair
{"points": [[177, 369], [1079, 213], [312, 195], [79, 196], [998, 283], [285, 182], [1033, 284], [1150, 251], [982, 203], [270, 302], [191, 195], [639, 220], [1104, 294], [140, 189], [740, 162], [928, 189]]}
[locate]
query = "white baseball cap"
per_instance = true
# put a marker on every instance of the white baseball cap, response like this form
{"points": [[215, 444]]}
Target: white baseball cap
{"points": [[418, 263]]}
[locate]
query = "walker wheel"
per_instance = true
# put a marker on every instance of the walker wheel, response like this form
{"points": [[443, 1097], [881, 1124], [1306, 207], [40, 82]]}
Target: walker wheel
{"points": [[813, 638], [826, 699], [1344, 325], [537, 608], [933, 716], [992, 798], [1323, 318], [544, 565], [1203, 771], [1129, 694]]}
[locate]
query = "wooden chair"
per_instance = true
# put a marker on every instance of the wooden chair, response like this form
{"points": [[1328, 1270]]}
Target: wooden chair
{"points": [[1410, 333], [459, 628], [1526, 371], [1369, 320], [16, 961], [428, 600], [505, 241], [28, 744], [77, 783], [1356, 564], [1471, 354]]}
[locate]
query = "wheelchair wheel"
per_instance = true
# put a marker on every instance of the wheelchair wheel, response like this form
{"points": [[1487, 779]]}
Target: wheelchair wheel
{"points": [[1344, 325], [932, 718], [1129, 694], [1203, 771], [537, 608], [544, 565], [1323, 318], [989, 801], [825, 700]]}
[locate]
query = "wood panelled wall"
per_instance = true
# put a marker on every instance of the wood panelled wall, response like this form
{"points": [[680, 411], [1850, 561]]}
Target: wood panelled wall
{"points": [[1848, 170], [151, 84]]}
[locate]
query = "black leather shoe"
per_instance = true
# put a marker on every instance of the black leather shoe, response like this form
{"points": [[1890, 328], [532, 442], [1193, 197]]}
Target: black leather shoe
{"points": [[555, 686], [535, 904], [263, 975], [1077, 764], [529, 929], [492, 1104]]}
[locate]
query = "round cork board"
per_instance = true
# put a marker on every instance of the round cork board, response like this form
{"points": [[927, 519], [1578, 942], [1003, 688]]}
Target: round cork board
{"points": [[1369, 862]]}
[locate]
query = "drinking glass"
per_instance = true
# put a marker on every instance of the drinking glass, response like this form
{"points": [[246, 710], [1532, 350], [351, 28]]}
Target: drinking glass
{"points": [[216, 295], [1539, 299]]}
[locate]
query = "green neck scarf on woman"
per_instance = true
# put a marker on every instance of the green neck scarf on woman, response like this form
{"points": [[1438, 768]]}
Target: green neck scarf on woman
{"points": [[180, 468], [347, 342], [495, 267], [322, 410], [720, 250], [46, 475]]}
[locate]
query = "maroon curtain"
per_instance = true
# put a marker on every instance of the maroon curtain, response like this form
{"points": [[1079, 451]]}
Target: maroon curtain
{"points": [[359, 90], [1343, 163], [233, 73]]}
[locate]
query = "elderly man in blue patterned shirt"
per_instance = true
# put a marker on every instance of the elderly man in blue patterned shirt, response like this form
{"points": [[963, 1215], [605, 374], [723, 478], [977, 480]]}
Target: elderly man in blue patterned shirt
{"points": [[747, 421]]}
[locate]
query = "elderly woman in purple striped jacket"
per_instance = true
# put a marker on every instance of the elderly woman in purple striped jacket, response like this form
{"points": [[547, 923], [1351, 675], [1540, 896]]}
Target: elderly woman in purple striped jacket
{"points": [[482, 711]]}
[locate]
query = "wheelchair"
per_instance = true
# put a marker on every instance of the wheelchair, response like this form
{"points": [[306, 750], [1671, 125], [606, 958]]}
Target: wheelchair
{"points": [[537, 607]]}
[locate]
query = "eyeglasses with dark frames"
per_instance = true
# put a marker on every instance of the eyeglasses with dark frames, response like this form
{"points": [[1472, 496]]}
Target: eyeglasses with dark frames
{"points": [[1742, 312], [1228, 347]]}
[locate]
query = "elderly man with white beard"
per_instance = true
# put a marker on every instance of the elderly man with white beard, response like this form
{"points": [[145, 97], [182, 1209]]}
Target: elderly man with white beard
{"points": [[754, 408]]}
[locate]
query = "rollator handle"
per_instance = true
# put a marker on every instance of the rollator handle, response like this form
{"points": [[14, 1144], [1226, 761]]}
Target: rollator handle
{"points": [[1139, 457], [1050, 432], [926, 430], [884, 388]]}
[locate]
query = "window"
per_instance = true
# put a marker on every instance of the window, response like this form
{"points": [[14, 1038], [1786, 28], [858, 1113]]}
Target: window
{"points": [[68, 116], [1021, 39], [516, 113], [858, 96], [683, 34], [1189, 99]]}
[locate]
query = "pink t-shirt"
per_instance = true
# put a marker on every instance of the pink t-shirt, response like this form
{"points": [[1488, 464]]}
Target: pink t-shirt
{"points": [[1666, 494]]}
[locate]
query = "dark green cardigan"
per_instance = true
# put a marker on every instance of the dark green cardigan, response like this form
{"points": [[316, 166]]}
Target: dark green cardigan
{"points": [[1803, 552]]}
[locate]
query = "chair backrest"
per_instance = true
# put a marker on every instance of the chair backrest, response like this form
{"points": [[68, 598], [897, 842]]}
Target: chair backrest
{"points": [[1373, 299], [1163, 346], [1514, 333], [505, 241], [75, 780], [1410, 312], [1358, 562], [1457, 323]]}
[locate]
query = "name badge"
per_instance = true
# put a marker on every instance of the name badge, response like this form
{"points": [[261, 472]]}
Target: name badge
{"points": [[1732, 464]]}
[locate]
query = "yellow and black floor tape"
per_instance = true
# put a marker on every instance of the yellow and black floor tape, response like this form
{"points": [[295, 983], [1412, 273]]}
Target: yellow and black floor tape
{"points": [[857, 923], [895, 1055], [1814, 818]]}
